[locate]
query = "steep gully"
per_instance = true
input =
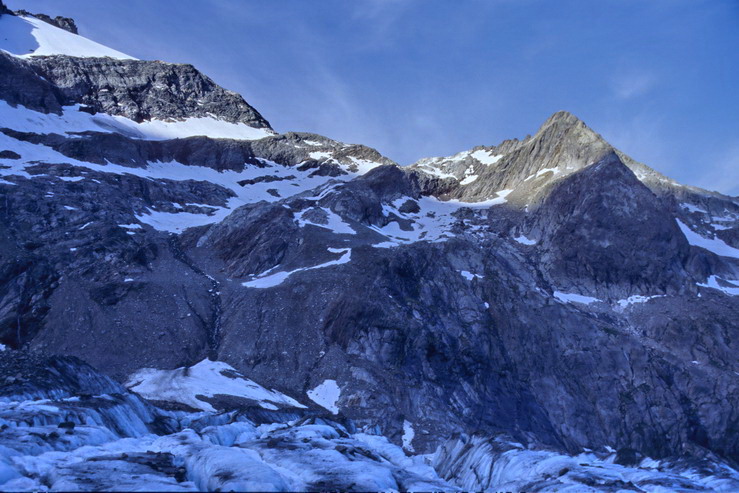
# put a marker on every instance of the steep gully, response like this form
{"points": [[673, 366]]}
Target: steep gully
{"points": [[213, 326]]}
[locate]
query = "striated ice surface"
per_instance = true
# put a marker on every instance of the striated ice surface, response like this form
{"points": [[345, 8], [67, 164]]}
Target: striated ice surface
{"points": [[51, 440]]}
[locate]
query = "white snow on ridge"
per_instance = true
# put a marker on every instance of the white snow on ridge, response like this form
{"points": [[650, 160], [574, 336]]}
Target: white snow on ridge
{"points": [[524, 240], [543, 171], [28, 36], [165, 221], [432, 223], [335, 222], [272, 280], [468, 179], [693, 208], [713, 245], [319, 155], [712, 282], [574, 298], [206, 126], [469, 275], [637, 298], [177, 222], [72, 120], [408, 434], [326, 395], [207, 378], [364, 165], [430, 170], [486, 157]]}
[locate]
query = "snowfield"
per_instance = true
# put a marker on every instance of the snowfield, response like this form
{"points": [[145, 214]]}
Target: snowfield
{"points": [[73, 121], [205, 379], [28, 36], [713, 245]]}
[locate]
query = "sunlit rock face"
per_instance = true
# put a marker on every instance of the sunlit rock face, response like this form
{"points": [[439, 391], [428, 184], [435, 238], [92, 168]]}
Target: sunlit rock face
{"points": [[184, 291]]}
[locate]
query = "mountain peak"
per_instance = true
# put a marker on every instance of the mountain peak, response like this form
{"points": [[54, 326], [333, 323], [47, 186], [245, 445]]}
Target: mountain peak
{"points": [[562, 116], [563, 120]]}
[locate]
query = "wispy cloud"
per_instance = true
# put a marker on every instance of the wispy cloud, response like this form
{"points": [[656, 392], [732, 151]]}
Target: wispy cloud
{"points": [[722, 174], [643, 137], [628, 85], [379, 19]]}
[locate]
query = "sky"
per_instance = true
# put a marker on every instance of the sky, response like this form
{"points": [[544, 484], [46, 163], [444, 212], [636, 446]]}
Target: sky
{"points": [[658, 79]]}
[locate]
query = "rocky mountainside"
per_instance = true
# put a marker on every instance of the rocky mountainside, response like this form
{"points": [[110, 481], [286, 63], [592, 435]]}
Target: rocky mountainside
{"points": [[543, 301]]}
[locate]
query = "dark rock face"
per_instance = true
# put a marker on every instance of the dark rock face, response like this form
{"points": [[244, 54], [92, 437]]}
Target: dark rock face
{"points": [[603, 227], [9, 155], [19, 84], [142, 90], [574, 313]]}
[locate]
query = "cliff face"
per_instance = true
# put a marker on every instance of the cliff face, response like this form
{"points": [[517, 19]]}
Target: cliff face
{"points": [[568, 296], [141, 90]]}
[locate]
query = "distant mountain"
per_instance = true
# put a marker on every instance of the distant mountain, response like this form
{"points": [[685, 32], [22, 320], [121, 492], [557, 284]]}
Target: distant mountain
{"points": [[540, 313]]}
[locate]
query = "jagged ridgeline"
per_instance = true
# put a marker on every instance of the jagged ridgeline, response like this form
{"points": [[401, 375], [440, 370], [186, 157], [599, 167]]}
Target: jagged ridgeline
{"points": [[185, 291]]}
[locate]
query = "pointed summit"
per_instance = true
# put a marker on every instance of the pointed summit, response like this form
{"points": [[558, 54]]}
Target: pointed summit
{"points": [[562, 116], [563, 124]]}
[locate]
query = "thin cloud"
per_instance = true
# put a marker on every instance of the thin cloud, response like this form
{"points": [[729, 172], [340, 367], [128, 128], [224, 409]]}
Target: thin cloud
{"points": [[642, 137], [723, 174], [631, 85]]}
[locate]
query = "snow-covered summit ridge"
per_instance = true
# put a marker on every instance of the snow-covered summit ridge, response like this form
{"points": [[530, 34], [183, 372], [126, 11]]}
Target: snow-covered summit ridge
{"points": [[25, 36]]}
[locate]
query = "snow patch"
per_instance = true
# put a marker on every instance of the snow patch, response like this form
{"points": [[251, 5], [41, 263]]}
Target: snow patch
{"points": [[524, 240], [637, 298], [272, 280], [318, 155], [712, 282], [433, 171], [574, 298], [364, 165], [72, 120], [693, 208], [486, 157], [207, 378], [468, 179], [206, 126], [28, 36], [713, 245], [408, 434], [335, 222], [469, 275], [177, 222], [326, 395]]}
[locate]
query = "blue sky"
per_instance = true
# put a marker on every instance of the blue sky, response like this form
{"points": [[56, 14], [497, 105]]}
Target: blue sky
{"points": [[414, 78]]}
